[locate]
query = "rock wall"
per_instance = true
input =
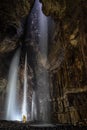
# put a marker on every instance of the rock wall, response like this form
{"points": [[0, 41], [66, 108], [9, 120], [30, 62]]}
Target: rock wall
{"points": [[12, 14], [68, 60]]}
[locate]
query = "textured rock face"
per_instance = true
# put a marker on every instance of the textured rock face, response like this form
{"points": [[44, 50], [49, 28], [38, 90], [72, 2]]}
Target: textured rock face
{"points": [[68, 61], [11, 14], [59, 9]]}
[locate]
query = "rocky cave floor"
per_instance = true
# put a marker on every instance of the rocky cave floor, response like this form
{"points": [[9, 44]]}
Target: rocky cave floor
{"points": [[16, 125]]}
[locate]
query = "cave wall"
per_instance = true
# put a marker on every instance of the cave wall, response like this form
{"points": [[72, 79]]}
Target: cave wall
{"points": [[11, 12], [68, 60], [12, 17]]}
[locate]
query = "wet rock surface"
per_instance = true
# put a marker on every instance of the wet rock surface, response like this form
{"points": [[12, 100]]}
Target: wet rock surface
{"points": [[68, 61], [9, 125]]}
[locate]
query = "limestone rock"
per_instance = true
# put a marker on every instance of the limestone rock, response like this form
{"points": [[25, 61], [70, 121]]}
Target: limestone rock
{"points": [[11, 14], [68, 67]]}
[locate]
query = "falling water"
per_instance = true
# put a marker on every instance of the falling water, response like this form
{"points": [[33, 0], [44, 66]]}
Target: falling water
{"points": [[34, 112], [43, 27], [43, 76], [24, 105], [11, 103]]}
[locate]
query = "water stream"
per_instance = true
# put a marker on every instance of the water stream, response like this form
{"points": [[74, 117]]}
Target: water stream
{"points": [[40, 106], [42, 76], [11, 102], [24, 105]]}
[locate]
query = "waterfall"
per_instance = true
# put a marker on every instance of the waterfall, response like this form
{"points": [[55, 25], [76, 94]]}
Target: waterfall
{"points": [[43, 29], [11, 102], [34, 112], [42, 75], [40, 101], [24, 105]]}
